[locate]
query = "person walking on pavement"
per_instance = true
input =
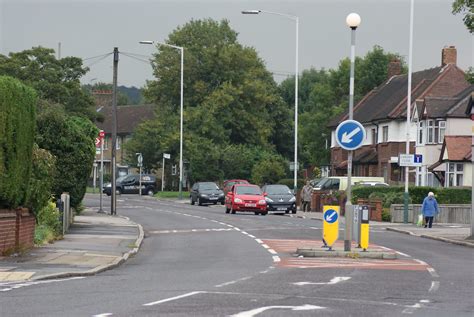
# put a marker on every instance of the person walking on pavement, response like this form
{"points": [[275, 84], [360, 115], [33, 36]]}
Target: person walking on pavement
{"points": [[429, 209], [306, 196]]}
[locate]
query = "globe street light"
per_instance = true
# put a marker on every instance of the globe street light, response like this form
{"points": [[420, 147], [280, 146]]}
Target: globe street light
{"points": [[352, 21], [296, 19], [181, 49]]}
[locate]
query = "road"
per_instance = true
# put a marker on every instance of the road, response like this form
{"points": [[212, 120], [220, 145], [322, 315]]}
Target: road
{"points": [[199, 261]]}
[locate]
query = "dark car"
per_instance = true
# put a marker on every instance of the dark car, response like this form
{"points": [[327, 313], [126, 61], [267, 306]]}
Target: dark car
{"points": [[130, 184], [206, 193], [279, 198]]}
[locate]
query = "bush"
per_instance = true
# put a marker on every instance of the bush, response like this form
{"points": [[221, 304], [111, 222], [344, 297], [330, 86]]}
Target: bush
{"points": [[454, 196], [41, 181], [71, 140], [17, 128], [43, 234], [386, 215], [49, 217]]}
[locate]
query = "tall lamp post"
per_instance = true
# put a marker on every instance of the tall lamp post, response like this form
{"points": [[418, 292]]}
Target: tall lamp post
{"points": [[181, 49], [353, 21], [296, 19]]}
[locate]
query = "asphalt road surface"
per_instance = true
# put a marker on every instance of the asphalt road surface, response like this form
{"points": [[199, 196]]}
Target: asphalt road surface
{"points": [[199, 261]]}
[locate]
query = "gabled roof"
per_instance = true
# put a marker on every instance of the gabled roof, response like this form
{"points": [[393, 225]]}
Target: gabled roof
{"points": [[443, 107], [128, 117], [368, 155], [456, 148]]}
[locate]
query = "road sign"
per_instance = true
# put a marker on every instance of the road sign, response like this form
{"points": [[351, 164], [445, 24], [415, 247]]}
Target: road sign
{"points": [[330, 224], [97, 142], [410, 160], [101, 134], [166, 156], [350, 134]]}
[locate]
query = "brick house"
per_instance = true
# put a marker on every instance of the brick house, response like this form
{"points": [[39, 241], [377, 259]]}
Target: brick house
{"points": [[128, 118], [383, 114]]}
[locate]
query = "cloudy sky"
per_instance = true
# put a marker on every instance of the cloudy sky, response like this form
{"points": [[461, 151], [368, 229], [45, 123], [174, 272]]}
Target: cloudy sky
{"points": [[89, 28]]}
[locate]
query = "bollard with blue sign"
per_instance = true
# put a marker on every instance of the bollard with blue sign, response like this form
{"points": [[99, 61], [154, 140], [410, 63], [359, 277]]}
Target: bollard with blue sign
{"points": [[330, 225]]}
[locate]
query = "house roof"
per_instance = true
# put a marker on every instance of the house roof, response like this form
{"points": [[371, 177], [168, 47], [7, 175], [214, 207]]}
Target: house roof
{"points": [[442, 107], [128, 117], [456, 148], [368, 155]]}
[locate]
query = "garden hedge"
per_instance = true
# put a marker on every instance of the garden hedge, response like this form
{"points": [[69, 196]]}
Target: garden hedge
{"points": [[17, 129]]}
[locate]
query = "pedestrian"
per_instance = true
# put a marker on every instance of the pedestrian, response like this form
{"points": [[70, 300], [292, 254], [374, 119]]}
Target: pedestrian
{"points": [[429, 209], [306, 196]]}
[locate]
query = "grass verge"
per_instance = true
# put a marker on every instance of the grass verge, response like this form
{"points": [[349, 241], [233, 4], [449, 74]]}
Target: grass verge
{"points": [[166, 194]]}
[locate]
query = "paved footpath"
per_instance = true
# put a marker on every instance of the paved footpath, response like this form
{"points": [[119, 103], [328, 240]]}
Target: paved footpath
{"points": [[452, 233], [94, 243]]}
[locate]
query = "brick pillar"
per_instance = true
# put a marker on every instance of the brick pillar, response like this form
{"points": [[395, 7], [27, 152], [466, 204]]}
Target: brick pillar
{"points": [[376, 210]]}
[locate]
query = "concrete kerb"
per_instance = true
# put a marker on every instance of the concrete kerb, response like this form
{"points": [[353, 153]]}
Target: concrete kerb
{"points": [[427, 236], [356, 254], [118, 261]]}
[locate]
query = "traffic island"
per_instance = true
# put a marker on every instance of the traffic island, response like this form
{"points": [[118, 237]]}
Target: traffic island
{"points": [[338, 252]]}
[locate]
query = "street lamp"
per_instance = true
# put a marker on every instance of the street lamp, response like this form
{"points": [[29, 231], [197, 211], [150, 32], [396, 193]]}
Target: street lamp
{"points": [[352, 21], [181, 49], [296, 19]]}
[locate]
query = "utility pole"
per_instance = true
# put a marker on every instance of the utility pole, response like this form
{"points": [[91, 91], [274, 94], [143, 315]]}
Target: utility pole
{"points": [[59, 50], [113, 205]]}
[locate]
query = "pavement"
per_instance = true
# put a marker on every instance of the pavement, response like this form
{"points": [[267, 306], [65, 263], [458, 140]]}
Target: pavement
{"points": [[94, 243], [446, 232]]}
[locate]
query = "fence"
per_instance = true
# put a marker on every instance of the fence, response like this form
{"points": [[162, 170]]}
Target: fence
{"points": [[447, 213]]}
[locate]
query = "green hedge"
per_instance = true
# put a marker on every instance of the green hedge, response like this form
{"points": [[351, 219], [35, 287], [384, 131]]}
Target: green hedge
{"points": [[17, 128], [291, 181], [394, 194]]}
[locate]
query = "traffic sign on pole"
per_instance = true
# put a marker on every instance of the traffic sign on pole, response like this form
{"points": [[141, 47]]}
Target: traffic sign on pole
{"points": [[330, 225], [101, 134], [350, 134]]}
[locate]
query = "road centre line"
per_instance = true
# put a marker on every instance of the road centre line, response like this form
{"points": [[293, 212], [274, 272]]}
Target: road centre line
{"points": [[432, 272], [235, 281], [434, 286], [103, 315], [173, 298]]}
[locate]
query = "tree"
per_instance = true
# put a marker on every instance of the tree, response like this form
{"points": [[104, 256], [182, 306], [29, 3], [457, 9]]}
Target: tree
{"points": [[268, 171], [465, 7], [71, 140], [54, 80]]}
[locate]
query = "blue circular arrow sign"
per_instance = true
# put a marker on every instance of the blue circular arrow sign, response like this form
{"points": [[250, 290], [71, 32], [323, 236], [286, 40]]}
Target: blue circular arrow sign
{"points": [[350, 134], [330, 216]]}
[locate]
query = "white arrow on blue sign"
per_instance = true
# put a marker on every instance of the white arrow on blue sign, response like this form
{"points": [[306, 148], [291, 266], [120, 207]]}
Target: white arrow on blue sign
{"points": [[350, 134]]}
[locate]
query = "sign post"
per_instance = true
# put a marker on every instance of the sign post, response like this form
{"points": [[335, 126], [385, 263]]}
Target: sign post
{"points": [[408, 160], [140, 164], [330, 225], [350, 135], [101, 137], [165, 156]]}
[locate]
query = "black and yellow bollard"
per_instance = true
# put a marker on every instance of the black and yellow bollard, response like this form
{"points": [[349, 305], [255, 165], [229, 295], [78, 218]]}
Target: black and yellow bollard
{"points": [[364, 229]]}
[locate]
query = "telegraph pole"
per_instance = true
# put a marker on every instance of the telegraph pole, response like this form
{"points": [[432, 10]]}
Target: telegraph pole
{"points": [[113, 205]]}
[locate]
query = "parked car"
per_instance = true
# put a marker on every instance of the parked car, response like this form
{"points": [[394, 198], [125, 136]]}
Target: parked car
{"points": [[376, 184], [279, 198], [231, 182], [247, 198], [205, 193], [130, 184], [340, 182]]}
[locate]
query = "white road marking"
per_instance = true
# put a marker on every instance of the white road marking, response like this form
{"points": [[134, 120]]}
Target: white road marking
{"points": [[235, 281], [421, 262], [253, 312], [259, 241], [434, 286], [272, 251], [103, 315], [403, 254], [16, 285], [276, 258], [173, 298], [335, 280], [432, 272], [252, 236], [265, 246]]}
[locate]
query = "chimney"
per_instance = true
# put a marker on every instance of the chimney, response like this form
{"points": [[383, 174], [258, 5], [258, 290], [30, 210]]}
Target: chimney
{"points": [[102, 98], [448, 55], [394, 68]]}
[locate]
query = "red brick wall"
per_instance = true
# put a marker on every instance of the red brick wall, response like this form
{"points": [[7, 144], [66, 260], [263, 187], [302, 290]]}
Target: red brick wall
{"points": [[453, 82], [17, 229]]}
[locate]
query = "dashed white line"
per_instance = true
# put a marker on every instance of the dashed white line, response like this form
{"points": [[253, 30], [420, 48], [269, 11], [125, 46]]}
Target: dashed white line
{"points": [[265, 246], [103, 315], [259, 241], [276, 258], [434, 286], [432, 272], [403, 254], [173, 298], [251, 236], [272, 251], [235, 281]]}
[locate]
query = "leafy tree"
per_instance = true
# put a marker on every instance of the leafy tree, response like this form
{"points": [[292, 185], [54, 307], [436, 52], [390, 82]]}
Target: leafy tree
{"points": [[268, 171], [71, 140], [470, 75], [54, 80], [465, 7]]}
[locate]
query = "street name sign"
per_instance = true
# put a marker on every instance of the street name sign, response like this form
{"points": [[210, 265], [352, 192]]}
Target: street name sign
{"points": [[166, 156], [350, 134], [410, 160], [330, 224]]}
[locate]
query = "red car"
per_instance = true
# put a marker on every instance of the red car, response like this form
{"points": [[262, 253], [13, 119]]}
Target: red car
{"points": [[245, 197], [231, 182]]}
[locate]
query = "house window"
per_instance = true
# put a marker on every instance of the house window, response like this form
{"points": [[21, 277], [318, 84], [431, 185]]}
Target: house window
{"points": [[436, 130], [374, 136], [421, 127], [385, 134], [454, 174]]}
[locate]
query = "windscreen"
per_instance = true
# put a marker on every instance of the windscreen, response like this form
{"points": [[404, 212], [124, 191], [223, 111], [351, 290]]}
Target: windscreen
{"points": [[208, 186], [278, 190], [248, 190]]}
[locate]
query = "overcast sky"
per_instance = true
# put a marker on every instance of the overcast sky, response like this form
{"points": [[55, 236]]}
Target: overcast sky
{"points": [[88, 28]]}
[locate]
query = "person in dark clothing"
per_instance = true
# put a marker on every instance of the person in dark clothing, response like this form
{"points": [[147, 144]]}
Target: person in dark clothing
{"points": [[429, 209]]}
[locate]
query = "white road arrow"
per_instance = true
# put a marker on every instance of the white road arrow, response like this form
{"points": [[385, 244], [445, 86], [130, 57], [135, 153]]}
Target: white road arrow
{"points": [[335, 280], [329, 218], [347, 137], [253, 312]]}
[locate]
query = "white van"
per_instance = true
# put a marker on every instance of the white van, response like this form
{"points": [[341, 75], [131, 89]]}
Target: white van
{"points": [[340, 182]]}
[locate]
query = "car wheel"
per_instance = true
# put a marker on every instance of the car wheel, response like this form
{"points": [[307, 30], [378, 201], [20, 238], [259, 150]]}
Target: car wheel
{"points": [[199, 201], [286, 212], [264, 213], [222, 203], [293, 211], [150, 192], [256, 213], [108, 194], [118, 191], [232, 211], [214, 203], [192, 201]]}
